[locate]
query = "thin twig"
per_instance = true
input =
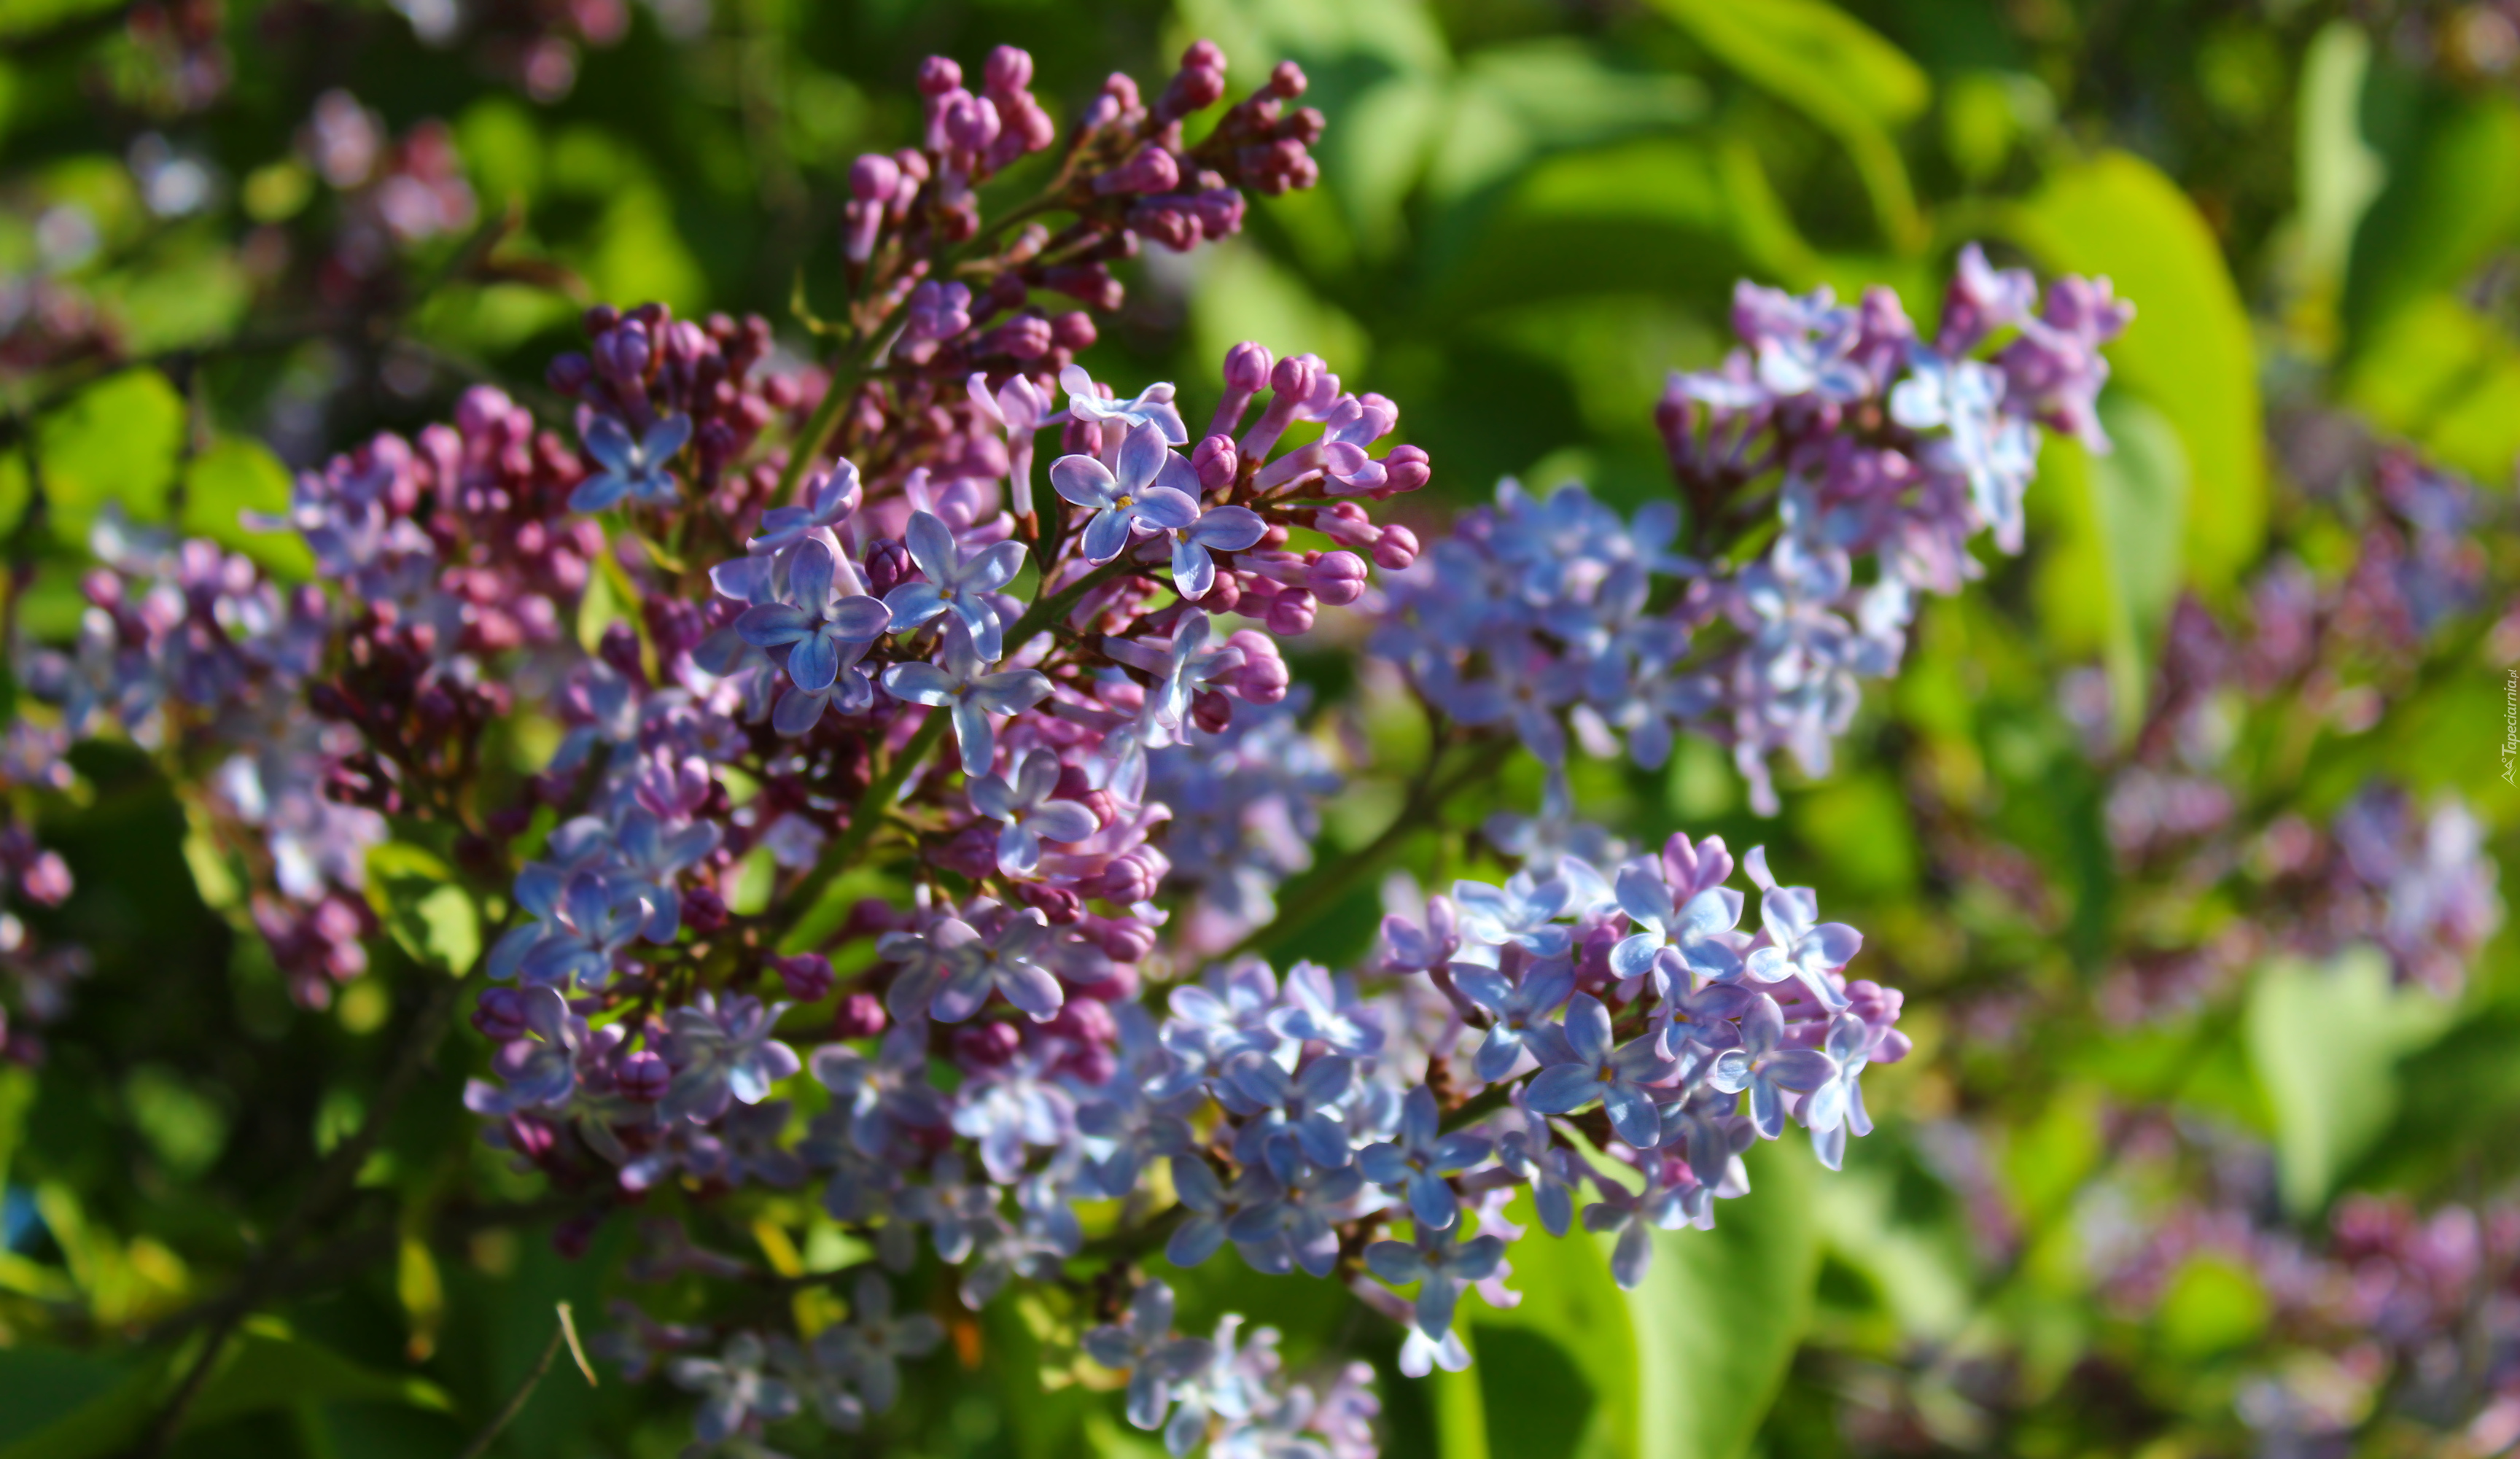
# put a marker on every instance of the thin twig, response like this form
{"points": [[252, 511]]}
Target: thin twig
{"points": [[563, 1331]]}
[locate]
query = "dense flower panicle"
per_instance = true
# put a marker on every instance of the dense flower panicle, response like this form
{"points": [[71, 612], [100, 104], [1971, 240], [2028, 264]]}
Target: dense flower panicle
{"points": [[1554, 614], [820, 577]]}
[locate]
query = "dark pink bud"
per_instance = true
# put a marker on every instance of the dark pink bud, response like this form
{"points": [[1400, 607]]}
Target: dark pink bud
{"points": [[1203, 54], [1263, 677], [1247, 366], [500, 1015], [1027, 337], [642, 1075], [1086, 1022], [1336, 578], [938, 74], [1061, 907], [888, 562], [1215, 462], [1081, 439], [1074, 331], [1211, 712], [1152, 170], [703, 910], [1225, 596], [1124, 941], [1396, 549], [1286, 81], [986, 1045], [872, 177], [1009, 69], [859, 1015], [1295, 376], [807, 976]]}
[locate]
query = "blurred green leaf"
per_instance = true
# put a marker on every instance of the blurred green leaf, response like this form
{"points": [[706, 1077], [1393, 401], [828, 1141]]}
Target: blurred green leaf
{"points": [[1555, 1376], [2189, 351], [270, 1368], [233, 476], [116, 442], [2340, 170], [1518, 101], [2212, 1305], [1719, 1316], [2325, 1041], [1829, 65], [2439, 217], [2446, 377], [77, 1407]]}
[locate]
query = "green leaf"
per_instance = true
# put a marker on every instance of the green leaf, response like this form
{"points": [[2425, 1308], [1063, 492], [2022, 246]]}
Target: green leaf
{"points": [[236, 475], [115, 441], [2190, 352], [1827, 64], [93, 1426], [2212, 1305], [1555, 1376], [2439, 217], [1720, 1314], [2340, 172], [2325, 1041], [2442, 375], [269, 1368], [2116, 525]]}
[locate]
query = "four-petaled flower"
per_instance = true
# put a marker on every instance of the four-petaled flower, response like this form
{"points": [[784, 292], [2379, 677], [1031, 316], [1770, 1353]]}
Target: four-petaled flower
{"points": [[1519, 1008], [722, 1051], [963, 686], [959, 584], [1768, 1071], [1416, 1162], [1594, 1069], [633, 466], [825, 638], [1146, 1348], [1016, 963], [734, 1388], [1151, 406], [1692, 935], [1022, 798], [871, 1345], [1151, 487], [1218, 529], [1441, 1264]]}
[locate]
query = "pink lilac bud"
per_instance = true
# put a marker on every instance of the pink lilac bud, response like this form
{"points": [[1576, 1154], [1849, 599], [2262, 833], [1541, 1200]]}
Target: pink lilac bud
{"points": [[1224, 596], [1074, 331], [1009, 69], [1292, 381], [1286, 81], [1291, 615], [1091, 285], [1199, 85], [970, 122], [1152, 170], [1211, 712], [1081, 439], [938, 74], [1406, 469], [1168, 220], [1026, 336], [1263, 677], [1116, 102], [986, 1045], [570, 373], [938, 312], [807, 976], [1337, 578], [1061, 907], [1215, 462], [642, 1075], [1396, 549], [1122, 939], [859, 1015]]}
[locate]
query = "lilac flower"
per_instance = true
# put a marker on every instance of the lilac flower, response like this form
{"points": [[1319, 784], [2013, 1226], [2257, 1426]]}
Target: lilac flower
{"points": [[1152, 488], [956, 583], [869, 1347], [1523, 912], [1324, 1010], [1835, 1110], [1022, 800], [539, 1072], [1556, 1172], [1218, 529], [1299, 1110], [830, 497], [1015, 964], [1765, 1069], [882, 1094], [634, 467], [1408, 947], [1291, 1222], [724, 1051], [971, 694], [956, 1210], [1153, 406], [1594, 1069], [1020, 407], [1146, 1348], [1416, 1162], [1441, 1264], [1800, 945], [825, 637], [734, 1388], [1696, 935], [1179, 668], [1008, 1108], [578, 933], [1210, 1209], [1996, 451], [1519, 1008]]}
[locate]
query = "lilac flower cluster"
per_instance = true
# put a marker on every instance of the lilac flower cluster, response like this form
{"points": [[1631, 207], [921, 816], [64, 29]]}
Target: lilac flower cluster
{"points": [[2420, 1313], [1864, 439], [796, 625]]}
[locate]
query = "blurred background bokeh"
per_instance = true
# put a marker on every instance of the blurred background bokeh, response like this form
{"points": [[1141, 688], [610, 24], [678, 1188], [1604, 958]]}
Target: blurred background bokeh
{"points": [[2178, 831]]}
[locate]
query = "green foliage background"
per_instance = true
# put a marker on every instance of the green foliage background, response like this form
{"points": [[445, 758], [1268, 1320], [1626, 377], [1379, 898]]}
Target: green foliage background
{"points": [[1530, 211]]}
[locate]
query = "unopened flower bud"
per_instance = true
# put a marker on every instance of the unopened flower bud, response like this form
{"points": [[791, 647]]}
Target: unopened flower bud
{"points": [[986, 1045], [888, 562], [1291, 615], [1396, 549], [642, 1075], [807, 976], [938, 74], [859, 1015], [1215, 461], [1336, 578], [703, 910], [501, 1014]]}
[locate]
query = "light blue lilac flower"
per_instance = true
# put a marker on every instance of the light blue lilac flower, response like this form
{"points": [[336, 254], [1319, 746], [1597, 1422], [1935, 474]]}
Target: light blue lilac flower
{"points": [[962, 584], [1149, 487], [1592, 1069], [1441, 1264], [1415, 1164], [882, 1095], [721, 1051], [1024, 799], [824, 636], [1322, 1009], [1524, 912], [633, 467], [964, 686], [1217, 529], [1153, 406], [734, 1388], [1694, 937], [1519, 1006], [1765, 1069], [1146, 1348], [870, 1346]]}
